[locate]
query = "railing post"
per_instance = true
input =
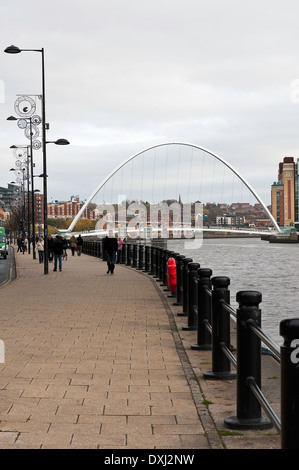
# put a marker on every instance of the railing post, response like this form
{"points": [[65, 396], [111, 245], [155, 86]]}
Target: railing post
{"points": [[248, 364], [179, 280], [289, 330], [204, 310], [158, 260], [152, 263], [192, 277], [140, 258], [185, 286], [161, 258], [221, 368], [128, 254], [146, 259], [164, 267], [135, 252]]}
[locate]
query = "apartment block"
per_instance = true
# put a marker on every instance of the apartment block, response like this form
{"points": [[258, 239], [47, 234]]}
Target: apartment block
{"points": [[284, 193]]}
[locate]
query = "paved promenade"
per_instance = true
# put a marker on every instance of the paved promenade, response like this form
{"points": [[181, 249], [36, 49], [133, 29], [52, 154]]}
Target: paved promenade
{"points": [[98, 361]]}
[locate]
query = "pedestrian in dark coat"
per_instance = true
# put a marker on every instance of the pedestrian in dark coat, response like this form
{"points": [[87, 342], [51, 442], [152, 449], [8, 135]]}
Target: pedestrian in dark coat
{"points": [[58, 252], [110, 247]]}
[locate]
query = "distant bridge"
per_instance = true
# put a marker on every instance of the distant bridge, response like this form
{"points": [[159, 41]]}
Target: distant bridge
{"points": [[156, 181]]}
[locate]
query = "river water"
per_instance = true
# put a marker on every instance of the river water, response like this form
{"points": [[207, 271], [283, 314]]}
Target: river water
{"points": [[252, 264]]}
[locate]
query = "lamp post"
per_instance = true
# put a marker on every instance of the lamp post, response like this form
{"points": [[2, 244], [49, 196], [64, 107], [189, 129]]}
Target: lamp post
{"points": [[23, 205], [12, 118], [16, 50], [32, 193]]}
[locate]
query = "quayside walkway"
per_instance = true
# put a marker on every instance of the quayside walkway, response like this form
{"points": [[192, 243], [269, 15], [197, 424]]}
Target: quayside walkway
{"points": [[98, 361]]}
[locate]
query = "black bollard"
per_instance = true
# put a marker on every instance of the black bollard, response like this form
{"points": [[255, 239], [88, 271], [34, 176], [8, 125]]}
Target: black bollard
{"points": [[153, 261], [204, 310], [179, 280], [129, 251], [289, 353], [185, 287], [134, 256], [160, 264], [192, 277], [248, 364], [146, 259], [221, 368], [158, 261], [124, 254], [140, 258]]}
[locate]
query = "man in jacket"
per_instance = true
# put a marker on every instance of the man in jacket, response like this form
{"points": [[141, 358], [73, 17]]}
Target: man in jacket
{"points": [[79, 245], [58, 252], [110, 247]]}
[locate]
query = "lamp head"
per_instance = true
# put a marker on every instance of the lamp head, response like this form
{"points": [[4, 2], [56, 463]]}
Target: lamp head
{"points": [[62, 142], [12, 50], [58, 142]]}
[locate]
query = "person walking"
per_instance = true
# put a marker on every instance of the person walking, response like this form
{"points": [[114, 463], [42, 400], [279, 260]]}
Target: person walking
{"points": [[40, 249], [73, 244], [110, 248], [119, 249], [19, 242], [79, 245], [58, 252]]}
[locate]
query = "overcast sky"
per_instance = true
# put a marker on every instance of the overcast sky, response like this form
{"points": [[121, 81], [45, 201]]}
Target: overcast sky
{"points": [[123, 75]]}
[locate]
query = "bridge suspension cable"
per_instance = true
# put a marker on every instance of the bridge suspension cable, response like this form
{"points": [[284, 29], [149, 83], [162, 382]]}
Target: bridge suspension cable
{"points": [[201, 177]]}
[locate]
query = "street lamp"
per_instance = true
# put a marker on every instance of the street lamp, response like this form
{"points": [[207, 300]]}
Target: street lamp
{"points": [[12, 118]]}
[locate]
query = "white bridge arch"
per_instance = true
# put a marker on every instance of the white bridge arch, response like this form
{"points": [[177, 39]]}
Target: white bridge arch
{"points": [[77, 217]]}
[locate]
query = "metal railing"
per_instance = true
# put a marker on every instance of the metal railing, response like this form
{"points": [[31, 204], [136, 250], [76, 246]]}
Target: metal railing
{"points": [[205, 302]]}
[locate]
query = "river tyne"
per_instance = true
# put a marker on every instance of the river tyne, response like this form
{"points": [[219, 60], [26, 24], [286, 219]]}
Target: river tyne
{"points": [[252, 264]]}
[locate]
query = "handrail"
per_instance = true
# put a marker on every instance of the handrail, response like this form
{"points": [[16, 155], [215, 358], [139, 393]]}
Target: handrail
{"points": [[268, 341], [228, 354], [208, 291], [229, 308], [264, 403]]}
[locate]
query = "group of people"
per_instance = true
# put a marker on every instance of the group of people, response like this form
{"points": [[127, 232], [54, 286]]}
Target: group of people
{"points": [[22, 244], [56, 248], [76, 244]]}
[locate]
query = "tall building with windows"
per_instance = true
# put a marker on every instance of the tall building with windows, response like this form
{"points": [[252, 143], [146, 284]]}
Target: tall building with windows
{"points": [[284, 193]]}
